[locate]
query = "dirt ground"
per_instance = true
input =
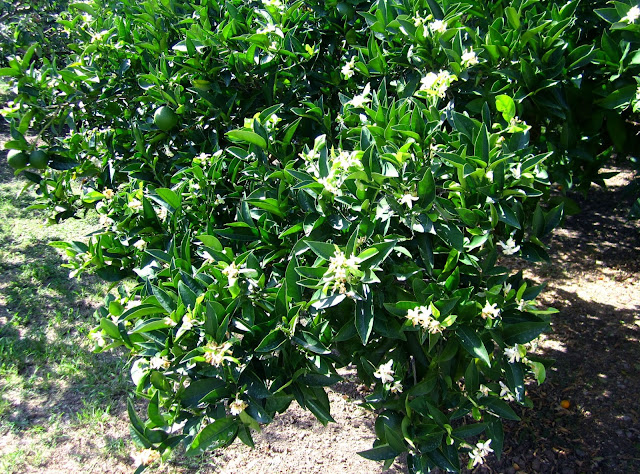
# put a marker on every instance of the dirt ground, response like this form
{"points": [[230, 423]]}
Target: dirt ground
{"points": [[594, 281]]}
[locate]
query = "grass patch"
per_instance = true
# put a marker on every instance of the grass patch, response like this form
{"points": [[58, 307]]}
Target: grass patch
{"points": [[56, 396]]}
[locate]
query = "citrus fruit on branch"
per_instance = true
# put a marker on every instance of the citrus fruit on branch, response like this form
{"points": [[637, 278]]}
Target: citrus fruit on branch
{"points": [[39, 159], [17, 159], [165, 118]]}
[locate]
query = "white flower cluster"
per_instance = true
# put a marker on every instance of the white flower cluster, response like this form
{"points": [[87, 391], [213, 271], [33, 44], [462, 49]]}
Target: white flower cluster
{"points": [[505, 392], [438, 26], [348, 68], [419, 20], [237, 406], [469, 58], [408, 199], [509, 247], [512, 353], [159, 362], [135, 205], [385, 373], [632, 15], [232, 271], [490, 311], [215, 354], [342, 163], [145, 457], [423, 316], [360, 100], [437, 84], [341, 271], [480, 451]]}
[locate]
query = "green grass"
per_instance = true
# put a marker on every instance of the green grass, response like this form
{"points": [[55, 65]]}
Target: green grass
{"points": [[53, 389]]}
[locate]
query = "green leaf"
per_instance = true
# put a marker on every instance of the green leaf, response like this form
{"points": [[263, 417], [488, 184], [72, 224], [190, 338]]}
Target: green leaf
{"points": [[322, 249], [160, 382], [272, 341], [472, 343], [427, 188], [539, 371], [379, 453], [170, 197], [507, 106], [467, 431], [198, 390], [500, 408], [365, 315], [521, 333], [187, 296], [152, 325], [513, 17], [506, 215], [619, 99], [219, 433], [247, 136], [110, 328], [210, 241]]}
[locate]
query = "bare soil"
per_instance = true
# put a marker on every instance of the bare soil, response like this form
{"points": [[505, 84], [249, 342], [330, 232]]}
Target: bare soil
{"points": [[594, 280]]}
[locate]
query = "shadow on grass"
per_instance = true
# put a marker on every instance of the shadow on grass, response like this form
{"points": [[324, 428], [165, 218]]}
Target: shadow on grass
{"points": [[47, 365]]}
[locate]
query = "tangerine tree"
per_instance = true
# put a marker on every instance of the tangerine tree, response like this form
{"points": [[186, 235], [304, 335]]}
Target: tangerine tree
{"points": [[289, 188]]}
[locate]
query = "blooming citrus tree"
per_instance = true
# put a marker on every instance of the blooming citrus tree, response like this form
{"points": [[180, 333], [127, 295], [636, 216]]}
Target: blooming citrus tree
{"points": [[285, 189]]}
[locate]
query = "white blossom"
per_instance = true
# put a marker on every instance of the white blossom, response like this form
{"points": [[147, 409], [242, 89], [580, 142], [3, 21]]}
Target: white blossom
{"points": [[423, 316], [231, 271], [506, 288], [480, 452], [396, 387], [216, 353], [484, 390], [135, 205], [438, 26], [512, 353], [140, 245], [237, 406], [505, 393], [347, 69], [437, 84], [408, 200], [509, 247], [360, 100], [162, 213], [159, 362], [385, 372], [632, 15], [469, 58], [106, 221], [108, 194], [329, 186], [490, 310], [418, 20], [522, 305], [146, 457]]}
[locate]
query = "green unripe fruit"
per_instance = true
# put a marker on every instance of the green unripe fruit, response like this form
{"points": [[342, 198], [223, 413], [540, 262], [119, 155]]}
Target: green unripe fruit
{"points": [[165, 118], [39, 159], [17, 159]]}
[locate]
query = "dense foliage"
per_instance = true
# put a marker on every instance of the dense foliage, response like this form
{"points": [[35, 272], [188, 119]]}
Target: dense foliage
{"points": [[291, 188]]}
